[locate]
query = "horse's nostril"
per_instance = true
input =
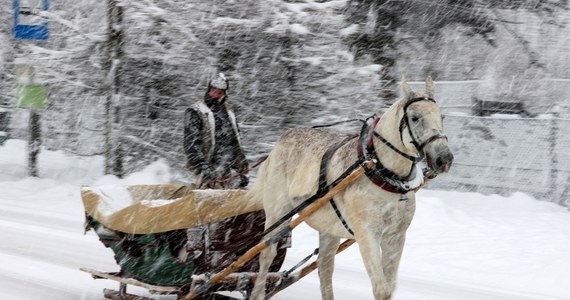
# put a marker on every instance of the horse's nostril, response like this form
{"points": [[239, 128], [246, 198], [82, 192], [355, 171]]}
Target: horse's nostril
{"points": [[439, 162], [444, 162]]}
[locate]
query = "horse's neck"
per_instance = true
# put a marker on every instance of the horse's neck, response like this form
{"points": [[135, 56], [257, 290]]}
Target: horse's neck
{"points": [[389, 129]]}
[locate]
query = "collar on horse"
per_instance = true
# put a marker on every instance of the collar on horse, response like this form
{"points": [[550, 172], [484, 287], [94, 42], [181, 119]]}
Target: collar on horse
{"points": [[380, 175]]}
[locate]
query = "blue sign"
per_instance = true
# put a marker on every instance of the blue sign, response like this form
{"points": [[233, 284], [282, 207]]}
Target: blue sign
{"points": [[28, 23]]}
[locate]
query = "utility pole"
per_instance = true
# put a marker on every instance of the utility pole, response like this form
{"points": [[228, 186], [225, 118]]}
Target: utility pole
{"points": [[34, 142], [113, 149]]}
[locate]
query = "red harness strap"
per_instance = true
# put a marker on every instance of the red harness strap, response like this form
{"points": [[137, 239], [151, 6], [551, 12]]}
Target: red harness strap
{"points": [[370, 146]]}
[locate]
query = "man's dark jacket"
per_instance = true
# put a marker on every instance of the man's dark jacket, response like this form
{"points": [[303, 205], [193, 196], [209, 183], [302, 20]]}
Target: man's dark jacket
{"points": [[211, 140]]}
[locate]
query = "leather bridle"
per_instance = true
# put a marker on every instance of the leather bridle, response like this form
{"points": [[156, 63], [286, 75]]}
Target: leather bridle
{"points": [[405, 122]]}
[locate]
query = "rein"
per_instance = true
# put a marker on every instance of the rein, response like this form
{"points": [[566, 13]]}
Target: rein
{"points": [[225, 179], [338, 123]]}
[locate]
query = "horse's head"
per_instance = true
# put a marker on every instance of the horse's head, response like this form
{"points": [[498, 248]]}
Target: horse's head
{"points": [[421, 127]]}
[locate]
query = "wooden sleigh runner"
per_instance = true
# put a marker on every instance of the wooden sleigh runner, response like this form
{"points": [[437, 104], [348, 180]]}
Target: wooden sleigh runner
{"points": [[146, 232]]}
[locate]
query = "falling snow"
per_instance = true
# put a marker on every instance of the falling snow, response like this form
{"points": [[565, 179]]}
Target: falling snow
{"points": [[496, 227]]}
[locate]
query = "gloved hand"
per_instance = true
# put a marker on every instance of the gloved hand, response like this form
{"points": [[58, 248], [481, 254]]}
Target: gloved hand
{"points": [[207, 176], [244, 181], [242, 167]]}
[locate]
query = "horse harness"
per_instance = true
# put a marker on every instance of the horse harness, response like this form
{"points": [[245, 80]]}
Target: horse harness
{"points": [[379, 175]]}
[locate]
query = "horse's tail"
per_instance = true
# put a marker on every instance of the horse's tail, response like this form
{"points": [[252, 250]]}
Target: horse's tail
{"points": [[255, 194]]}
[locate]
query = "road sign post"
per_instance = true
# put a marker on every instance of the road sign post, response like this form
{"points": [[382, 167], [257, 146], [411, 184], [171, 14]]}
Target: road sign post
{"points": [[29, 23], [31, 95]]}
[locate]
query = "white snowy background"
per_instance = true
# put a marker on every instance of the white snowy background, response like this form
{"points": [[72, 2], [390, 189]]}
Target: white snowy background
{"points": [[460, 246]]}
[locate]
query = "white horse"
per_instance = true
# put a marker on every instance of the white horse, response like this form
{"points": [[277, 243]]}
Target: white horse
{"points": [[376, 209]]}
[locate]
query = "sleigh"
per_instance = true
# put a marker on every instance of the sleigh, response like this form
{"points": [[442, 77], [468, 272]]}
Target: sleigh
{"points": [[158, 234], [165, 238]]}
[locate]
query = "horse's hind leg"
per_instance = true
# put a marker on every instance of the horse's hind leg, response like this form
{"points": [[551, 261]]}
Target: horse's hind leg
{"points": [[266, 257], [328, 245]]}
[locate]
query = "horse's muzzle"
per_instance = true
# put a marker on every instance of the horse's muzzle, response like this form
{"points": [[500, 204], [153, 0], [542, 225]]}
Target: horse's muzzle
{"points": [[443, 162]]}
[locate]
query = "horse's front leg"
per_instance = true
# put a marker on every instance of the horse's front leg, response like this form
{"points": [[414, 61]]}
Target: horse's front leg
{"points": [[393, 248], [328, 245], [371, 253]]}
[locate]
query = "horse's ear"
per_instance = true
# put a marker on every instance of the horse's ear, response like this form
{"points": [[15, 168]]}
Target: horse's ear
{"points": [[406, 90], [430, 87]]}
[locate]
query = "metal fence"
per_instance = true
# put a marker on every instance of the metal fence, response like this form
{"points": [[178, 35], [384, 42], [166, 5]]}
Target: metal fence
{"points": [[503, 155]]}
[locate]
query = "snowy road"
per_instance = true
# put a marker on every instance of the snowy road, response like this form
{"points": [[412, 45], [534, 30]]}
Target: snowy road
{"points": [[430, 289], [46, 248]]}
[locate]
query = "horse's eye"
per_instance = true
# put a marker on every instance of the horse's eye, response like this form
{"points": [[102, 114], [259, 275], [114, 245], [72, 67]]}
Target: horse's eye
{"points": [[415, 118]]}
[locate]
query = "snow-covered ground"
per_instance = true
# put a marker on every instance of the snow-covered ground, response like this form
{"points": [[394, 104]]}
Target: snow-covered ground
{"points": [[461, 246]]}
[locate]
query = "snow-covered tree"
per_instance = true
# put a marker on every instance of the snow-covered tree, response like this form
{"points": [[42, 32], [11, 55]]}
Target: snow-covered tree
{"points": [[290, 63]]}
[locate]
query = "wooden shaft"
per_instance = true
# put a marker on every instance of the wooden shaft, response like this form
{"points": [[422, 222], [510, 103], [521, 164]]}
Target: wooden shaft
{"points": [[309, 210], [303, 215], [306, 270], [313, 266]]}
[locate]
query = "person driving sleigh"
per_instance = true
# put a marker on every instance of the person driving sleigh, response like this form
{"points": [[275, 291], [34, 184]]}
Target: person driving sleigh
{"points": [[212, 140]]}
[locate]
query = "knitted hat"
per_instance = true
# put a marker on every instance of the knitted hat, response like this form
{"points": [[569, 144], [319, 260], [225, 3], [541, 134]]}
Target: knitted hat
{"points": [[220, 82]]}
